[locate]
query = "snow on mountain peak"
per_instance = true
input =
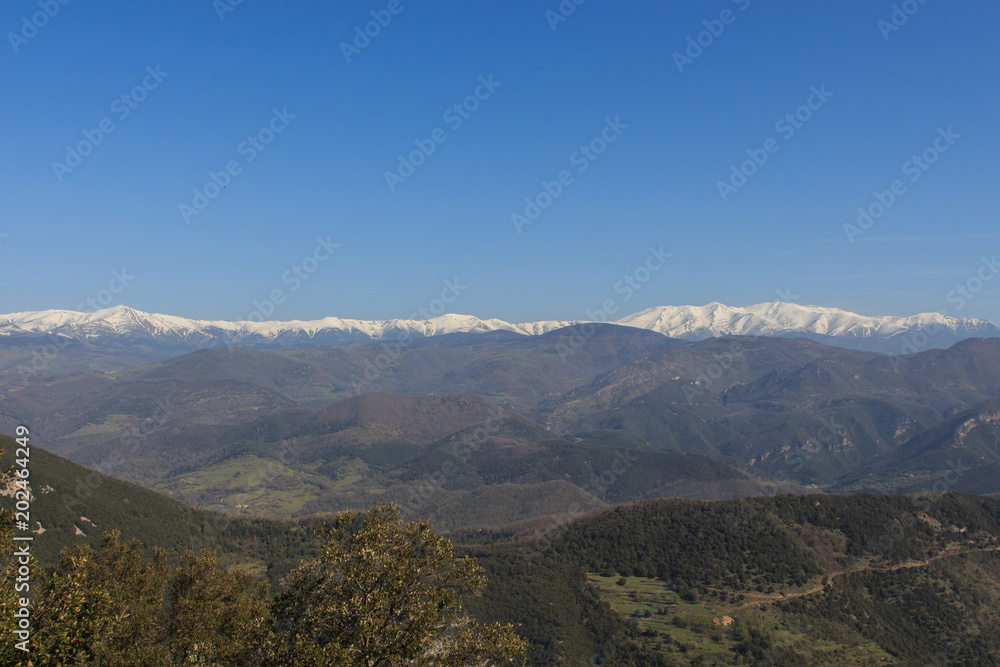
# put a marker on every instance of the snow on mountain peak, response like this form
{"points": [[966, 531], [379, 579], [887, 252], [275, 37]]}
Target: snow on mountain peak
{"points": [[781, 318], [120, 324]]}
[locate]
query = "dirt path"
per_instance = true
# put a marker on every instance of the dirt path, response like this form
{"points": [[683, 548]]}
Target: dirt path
{"points": [[948, 553]]}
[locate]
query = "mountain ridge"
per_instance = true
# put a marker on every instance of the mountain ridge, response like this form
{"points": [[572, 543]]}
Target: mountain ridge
{"points": [[121, 325]]}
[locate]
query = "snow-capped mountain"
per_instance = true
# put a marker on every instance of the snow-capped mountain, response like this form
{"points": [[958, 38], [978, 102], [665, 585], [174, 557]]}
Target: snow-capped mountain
{"points": [[122, 326], [789, 319]]}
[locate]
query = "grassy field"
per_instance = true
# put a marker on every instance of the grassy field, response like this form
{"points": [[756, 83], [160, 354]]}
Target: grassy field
{"points": [[350, 472], [112, 424], [684, 631], [247, 484]]}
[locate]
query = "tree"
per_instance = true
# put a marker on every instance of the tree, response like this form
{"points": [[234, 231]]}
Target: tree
{"points": [[215, 616], [101, 606], [111, 607], [388, 594]]}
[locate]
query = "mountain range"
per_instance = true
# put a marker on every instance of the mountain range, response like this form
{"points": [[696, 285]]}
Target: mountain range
{"points": [[122, 326], [345, 426], [542, 450]]}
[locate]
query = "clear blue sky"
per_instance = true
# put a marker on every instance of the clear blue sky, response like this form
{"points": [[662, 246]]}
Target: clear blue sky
{"points": [[323, 175]]}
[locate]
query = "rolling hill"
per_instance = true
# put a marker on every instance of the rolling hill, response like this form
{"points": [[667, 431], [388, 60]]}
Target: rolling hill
{"points": [[74, 505], [295, 431], [807, 579]]}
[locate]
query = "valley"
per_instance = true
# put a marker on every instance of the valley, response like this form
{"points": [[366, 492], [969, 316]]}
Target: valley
{"points": [[551, 469], [478, 420]]}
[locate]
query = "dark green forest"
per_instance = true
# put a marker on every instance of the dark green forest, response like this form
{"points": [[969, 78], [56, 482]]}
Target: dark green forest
{"points": [[804, 579]]}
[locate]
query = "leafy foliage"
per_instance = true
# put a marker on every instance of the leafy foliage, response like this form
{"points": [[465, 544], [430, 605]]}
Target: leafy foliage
{"points": [[112, 607], [387, 594]]}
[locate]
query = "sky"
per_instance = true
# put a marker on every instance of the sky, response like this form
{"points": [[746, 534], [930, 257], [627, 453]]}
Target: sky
{"points": [[524, 160]]}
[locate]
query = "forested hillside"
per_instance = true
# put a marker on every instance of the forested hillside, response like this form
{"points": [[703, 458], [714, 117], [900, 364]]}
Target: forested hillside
{"points": [[805, 580], [345, 428], [816, 579]]}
